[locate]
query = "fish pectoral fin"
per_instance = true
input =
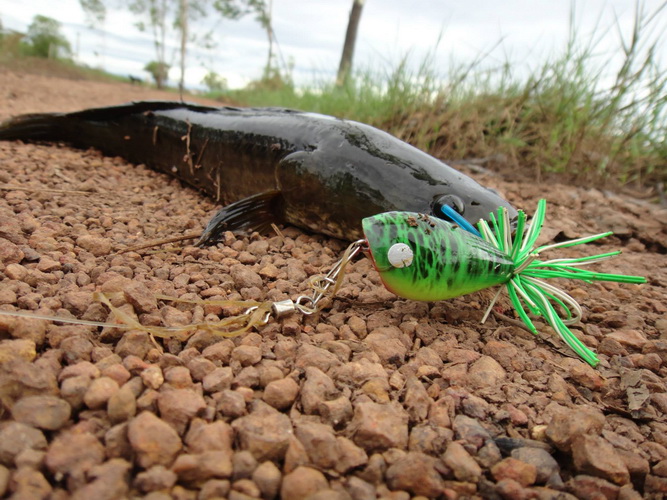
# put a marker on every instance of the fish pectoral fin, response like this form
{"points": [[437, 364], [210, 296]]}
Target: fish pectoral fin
{"points": [[255, 213]]}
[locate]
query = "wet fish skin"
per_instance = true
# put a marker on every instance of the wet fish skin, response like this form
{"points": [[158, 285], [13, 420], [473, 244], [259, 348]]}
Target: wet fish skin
{"points": [[273, 165]]}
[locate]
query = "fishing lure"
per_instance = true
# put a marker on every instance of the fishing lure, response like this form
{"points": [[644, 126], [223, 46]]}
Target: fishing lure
{"points": [[423, 258]]}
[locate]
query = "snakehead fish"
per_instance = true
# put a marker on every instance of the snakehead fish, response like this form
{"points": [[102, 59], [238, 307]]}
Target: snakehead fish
{"points": [[272, 165]]}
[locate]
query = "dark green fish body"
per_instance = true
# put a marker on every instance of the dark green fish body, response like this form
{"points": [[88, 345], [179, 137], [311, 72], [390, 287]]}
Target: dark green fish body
{"points": [[274, 165]]}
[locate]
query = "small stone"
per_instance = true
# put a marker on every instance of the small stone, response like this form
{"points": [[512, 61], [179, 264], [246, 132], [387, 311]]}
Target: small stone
{"points": [[140, 297], [584, 486], [302, 482], [265, 432], [99, 391], [567, 424], [416, 473], [282, 393], [17, 349], [628, 338], [584, 374], [545, 465], [4, 480], [109, 481], [122, 405], [471, 431], [178, 406], [386, 343], [378, 427], [215, 436], [416, 401], [231, 403], [96, 245], [308, 355], [247, 355], [511, 468], [153, 377], [462, 464], [10, 253], [16, 437], [267, 477], [486, 372], [74, 454], [244, 277], [46, 412], [203, 466], [317, 388], [218, 380], [29, 483], [319, 441], [154, 441], [594, 456], [117, 443], [156, 478], [244, 464]]}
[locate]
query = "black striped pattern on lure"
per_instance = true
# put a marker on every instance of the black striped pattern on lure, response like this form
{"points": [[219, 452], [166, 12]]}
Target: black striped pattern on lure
{"points": [[445, 261]]}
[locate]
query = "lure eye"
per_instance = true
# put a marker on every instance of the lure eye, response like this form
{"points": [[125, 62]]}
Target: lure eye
{"points": [[448, 200], [400, 255]]}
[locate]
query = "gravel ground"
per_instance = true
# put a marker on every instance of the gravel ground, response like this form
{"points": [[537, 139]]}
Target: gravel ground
{"points": [[375, 397]]}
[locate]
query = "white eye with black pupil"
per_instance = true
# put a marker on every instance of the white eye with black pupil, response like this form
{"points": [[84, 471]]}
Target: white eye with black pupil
{"points": [[400, 255]]}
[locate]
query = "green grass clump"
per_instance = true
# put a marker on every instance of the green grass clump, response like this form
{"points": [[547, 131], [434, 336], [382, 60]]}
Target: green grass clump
{"points": [[568, 119]]}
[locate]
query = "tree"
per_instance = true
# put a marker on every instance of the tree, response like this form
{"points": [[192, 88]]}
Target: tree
{"points": [[160, 16], [44, 39], [159, 71], [350, 40]]}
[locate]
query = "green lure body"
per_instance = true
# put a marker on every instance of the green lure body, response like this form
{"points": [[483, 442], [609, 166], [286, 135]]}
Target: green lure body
{"points": [[445, 260]]}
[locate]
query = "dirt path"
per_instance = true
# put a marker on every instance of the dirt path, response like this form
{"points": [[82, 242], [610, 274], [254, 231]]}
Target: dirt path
{"points": [[376, 397]]}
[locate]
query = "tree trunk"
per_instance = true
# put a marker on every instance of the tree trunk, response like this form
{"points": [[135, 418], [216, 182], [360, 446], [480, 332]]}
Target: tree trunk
{"points": [[184, 42], [350, 40]]}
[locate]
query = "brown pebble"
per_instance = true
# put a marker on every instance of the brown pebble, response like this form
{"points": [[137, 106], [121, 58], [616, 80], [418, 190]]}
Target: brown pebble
{"points": [[16, 437], [74, 454], [567, 424], [416, 473], [30, 483], [463, 466], [153, 440], [122, 405], [267, 477], [178, 406], [218, 380], [302, 482], [380, 426], [46, 412], [265, 432], [96, 245], [203, 466], [281, 393], [99, 391], [593, 455], [511, 468], [156, 478]]}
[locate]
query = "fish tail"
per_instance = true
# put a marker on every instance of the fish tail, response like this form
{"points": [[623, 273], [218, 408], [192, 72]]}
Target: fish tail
{"points": [[34, 127], [527, 289]]}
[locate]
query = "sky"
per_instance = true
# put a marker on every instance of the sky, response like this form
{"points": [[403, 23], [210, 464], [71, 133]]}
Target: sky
{"points": [[310, 34]]}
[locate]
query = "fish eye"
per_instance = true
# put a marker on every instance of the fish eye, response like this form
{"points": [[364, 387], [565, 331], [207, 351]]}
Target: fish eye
{"points": [[448, 200], [400, 255]]}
